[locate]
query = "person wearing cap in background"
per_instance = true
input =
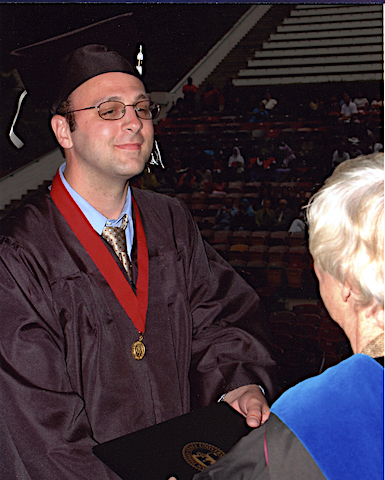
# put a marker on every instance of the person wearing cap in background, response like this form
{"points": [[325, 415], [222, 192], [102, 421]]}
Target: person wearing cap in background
{"points": [[331, 426], [283, 216], [96, 344]]}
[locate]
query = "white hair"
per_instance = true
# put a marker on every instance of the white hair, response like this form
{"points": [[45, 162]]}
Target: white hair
{"points": [[346, 227]]}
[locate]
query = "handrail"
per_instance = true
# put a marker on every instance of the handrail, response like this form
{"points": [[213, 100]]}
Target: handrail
{"points": [[219, 51]]}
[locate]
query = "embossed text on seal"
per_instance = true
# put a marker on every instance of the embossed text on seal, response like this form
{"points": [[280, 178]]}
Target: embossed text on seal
{"points": [[201, 455]]}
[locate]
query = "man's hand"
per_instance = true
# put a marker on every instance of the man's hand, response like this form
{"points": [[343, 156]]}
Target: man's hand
{"points": [[250, 402]]}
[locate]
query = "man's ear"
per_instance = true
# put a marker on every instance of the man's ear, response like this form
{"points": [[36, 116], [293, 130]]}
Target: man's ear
{"points": [[62, 131]]}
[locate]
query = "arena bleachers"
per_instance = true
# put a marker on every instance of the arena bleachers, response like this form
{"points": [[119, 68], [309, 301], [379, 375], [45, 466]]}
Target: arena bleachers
{"points": [[306, 341], [320, 43]]}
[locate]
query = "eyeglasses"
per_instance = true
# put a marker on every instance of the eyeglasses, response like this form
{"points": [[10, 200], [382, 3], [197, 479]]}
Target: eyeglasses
{"points": [[114, 110]]}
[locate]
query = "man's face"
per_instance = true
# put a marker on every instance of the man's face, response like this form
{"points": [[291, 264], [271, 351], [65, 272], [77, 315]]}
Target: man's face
{"points": [[110, 149]]}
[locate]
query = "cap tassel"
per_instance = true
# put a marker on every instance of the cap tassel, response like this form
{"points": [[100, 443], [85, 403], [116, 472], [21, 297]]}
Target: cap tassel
{"points": [[14, 138], [156, 157], [139, 57]]}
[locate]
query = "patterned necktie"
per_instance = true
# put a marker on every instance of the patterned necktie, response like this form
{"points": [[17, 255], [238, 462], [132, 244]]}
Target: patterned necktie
{"points": [[116, 237]]}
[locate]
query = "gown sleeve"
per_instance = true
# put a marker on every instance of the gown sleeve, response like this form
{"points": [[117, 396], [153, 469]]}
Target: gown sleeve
{"points": [[231, 340], [44, 431]]}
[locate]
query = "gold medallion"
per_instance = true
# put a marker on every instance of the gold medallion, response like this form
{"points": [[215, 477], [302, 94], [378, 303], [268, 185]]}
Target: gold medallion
{"points": [[138, 349]]}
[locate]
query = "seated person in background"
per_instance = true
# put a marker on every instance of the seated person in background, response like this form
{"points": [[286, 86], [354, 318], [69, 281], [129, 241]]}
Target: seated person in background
{"points": [[186, 180], [259, 113], [354, 148], [211, 99], [361, 102], [177, 110], [316, 108], [268, 192], [288, 155], [236, 159], [332, 426], [298, 224], [348, 110], [224, 216], [218, 175], [203, 179], [236, 165], [254, 169], [264, 217], [268, 162], [269, 102], [339, 155], [377, 104], [376, 146], [283, 216], [244, 218]]}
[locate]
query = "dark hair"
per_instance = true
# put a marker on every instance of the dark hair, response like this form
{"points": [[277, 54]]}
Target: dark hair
{"points": [[63, 109]]}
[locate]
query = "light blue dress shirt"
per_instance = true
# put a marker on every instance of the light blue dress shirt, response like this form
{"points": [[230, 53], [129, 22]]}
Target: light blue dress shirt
{"points": [[96, 219]]}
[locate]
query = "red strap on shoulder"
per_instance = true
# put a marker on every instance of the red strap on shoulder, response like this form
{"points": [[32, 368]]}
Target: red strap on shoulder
{"points": [[134, 305]]}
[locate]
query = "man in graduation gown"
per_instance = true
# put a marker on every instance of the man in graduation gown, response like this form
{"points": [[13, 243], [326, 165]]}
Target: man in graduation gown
{"points": [[93, 346]]}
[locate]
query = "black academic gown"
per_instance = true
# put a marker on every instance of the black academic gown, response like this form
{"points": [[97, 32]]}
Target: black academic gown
{"points": [[67, 377], [315, 431]]}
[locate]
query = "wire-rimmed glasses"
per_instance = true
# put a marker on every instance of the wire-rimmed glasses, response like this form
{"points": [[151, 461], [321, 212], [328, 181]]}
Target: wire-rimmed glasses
{"points": [[115, 110]]}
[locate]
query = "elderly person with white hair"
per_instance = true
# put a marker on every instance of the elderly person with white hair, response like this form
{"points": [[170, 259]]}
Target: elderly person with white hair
{"points": [[332, 425]]}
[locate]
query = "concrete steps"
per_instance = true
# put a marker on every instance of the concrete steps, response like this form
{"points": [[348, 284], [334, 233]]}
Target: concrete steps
{"points": [[239, 56]]}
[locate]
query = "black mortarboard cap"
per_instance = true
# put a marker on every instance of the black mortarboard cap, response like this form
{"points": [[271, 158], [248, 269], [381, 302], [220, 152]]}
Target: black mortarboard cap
{"points": [[52, 69]]}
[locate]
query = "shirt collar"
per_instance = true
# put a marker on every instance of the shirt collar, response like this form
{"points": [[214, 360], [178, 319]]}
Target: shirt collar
{"points": [[96, 219]]}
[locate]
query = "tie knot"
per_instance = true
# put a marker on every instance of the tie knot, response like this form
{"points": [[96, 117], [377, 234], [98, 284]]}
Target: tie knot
{"points": [[116, 237], [124, 223]]}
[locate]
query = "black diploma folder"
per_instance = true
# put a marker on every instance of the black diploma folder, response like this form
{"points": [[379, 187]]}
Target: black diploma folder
{"points": [[180, 447]]}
